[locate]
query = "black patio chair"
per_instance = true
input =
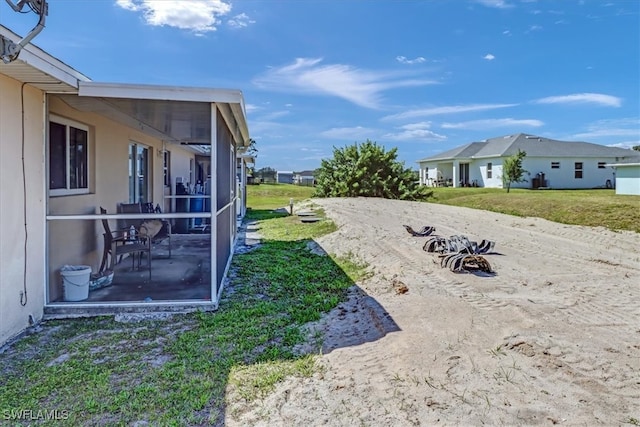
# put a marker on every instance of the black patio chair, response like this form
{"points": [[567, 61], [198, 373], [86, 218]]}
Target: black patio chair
{"points": [[119, 243]]}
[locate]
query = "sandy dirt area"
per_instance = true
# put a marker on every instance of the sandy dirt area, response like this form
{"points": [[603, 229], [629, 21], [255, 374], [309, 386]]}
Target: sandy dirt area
{"points": [[553, 338]]}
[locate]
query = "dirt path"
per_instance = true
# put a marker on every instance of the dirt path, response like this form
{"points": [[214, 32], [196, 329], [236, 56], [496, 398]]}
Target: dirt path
{"points": [[552, 338]]}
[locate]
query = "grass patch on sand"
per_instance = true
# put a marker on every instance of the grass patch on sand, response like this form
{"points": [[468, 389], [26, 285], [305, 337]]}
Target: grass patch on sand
{"points": [[592, 208]]}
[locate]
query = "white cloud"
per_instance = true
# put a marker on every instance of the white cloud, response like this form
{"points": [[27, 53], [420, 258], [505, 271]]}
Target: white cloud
{"points": [[199, 16], [356, 133], [493, 123], [240, 21], [451, 109], [404, 60], [499, 4], [361, 87], [625, 144], [414, 126], [507, 32], [273, 115], [489, 57], [250, 108], [533, 28], [414, 132], [600, 133], [582, 98], [611, 128]]}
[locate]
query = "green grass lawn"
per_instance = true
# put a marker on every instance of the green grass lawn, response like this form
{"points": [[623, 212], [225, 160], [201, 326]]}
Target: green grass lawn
{"points": [[579, 207], [100, 372], [273, 196]]}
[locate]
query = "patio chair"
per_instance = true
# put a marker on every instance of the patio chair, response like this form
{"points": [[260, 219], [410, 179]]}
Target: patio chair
{"points": [[147, 227], [119, 243]]}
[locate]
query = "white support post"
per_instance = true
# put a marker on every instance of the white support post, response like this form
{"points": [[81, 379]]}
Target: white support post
{"points": [[213, 206], [456, 172]]}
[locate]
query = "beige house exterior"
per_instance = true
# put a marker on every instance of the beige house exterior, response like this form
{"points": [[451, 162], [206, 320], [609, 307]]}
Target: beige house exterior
{"points": [[181, 134]]}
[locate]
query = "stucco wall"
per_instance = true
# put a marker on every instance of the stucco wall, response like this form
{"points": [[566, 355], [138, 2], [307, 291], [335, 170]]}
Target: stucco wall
{"points": [[563, 177], [628, 180], [14, 310]]}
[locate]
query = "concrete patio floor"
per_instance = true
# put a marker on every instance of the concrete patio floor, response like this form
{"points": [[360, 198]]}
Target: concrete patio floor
{"points": [[180, 283], [186, 275]]}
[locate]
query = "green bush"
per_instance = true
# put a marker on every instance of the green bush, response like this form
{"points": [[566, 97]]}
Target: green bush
{"points": [[367, 170]]}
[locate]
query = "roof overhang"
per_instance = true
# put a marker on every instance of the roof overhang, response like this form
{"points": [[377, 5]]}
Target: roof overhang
{"points": [[181, 115], [249, 159], [39, 69]]}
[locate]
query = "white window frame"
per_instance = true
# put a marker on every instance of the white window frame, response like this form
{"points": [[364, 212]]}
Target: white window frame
{"points": [[166, 167], [136, 196], [68, 123]]}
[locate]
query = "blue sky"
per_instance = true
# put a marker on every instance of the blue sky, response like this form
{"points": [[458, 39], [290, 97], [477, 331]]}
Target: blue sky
{"points": [[422, 76]]}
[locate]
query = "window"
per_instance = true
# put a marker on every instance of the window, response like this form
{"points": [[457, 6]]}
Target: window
{"points": [[68, 157], [166, 168], [578, 170], [601, 165], [138, 173], [555, 165], [489, 170]]}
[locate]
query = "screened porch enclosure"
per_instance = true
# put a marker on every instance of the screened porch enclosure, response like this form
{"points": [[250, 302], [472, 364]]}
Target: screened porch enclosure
{"points": [[160, 182]]}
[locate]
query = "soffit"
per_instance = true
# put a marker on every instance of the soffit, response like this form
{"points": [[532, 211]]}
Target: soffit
{"points": [[173, 114], [39, 69]]}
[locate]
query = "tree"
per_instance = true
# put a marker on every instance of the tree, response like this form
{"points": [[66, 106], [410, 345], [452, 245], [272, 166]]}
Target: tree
{"points": [[512, 169], [636, 147], [251, 148], [366, 169]]}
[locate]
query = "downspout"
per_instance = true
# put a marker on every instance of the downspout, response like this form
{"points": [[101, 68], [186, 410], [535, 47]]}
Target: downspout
{"points": [[23, 294]]}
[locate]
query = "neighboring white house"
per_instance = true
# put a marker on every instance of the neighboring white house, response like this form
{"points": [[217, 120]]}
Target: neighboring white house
{"points": [[304, 178], [549, 163], [69, 145], [627, 176], [284, 177]]}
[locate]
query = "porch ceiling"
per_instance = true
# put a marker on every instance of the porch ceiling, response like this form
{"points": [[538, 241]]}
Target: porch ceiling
{"points": [[174, 114], [172, 121]]}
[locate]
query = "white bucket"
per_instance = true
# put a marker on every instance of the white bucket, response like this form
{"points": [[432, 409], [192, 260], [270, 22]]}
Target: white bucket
{"points": [[75, 282]]}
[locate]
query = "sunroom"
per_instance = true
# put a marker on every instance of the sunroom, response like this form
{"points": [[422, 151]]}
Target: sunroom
{"points": [[153, 167], [122, 158]]}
